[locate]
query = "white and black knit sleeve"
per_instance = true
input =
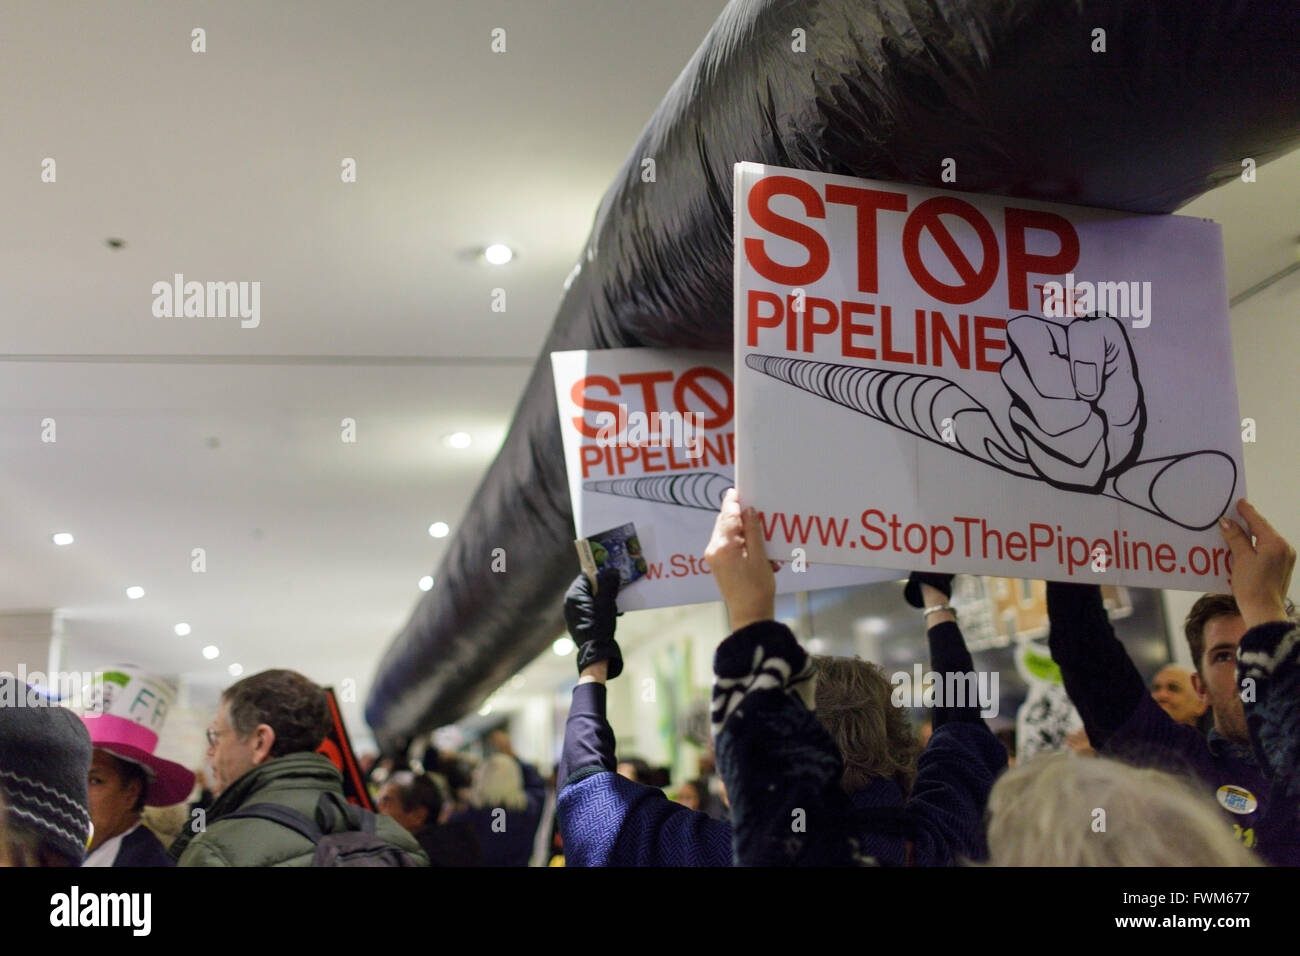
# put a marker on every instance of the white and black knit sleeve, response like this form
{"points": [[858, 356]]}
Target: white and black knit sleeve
{"points": [[1268, 672], [780, 766]]}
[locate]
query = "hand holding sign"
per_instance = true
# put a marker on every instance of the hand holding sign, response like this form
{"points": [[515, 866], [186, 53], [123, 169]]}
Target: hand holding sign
{"points": [[589, 614], [1076, 400], [1261, 572], [738, 559]]}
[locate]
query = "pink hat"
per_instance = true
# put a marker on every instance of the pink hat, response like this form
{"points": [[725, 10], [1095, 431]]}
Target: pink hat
{"points": [[169, 782], [126, 713]]}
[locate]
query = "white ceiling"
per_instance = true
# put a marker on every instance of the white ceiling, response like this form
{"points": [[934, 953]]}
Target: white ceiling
{"points": [[225, 165]]}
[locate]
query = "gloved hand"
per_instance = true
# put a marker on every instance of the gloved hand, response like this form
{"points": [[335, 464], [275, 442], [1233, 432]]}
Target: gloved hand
{"points": [[912, 593], [590, 619]]}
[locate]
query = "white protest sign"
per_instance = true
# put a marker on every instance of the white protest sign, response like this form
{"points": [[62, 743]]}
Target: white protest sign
{"points": [[982, 384], [649, 438]]}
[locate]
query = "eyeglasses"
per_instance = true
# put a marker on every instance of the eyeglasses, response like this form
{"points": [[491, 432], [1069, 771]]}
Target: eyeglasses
{"points": [[213, 736]]}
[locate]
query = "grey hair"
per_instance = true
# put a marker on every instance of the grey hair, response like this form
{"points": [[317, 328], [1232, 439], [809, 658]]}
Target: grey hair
{"points": [[1067, 810]]}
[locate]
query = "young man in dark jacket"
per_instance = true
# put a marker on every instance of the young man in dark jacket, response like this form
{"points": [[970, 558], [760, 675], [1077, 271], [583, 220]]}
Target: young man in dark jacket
{"points": [[1121, 718], [262, 748]]}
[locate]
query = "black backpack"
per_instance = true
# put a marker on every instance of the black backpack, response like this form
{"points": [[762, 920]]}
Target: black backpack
{"points": [[358, 845]]}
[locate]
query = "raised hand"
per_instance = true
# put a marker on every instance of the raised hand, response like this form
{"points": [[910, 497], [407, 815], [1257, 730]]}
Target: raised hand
{"points": [[1261, 572], [737, 558], [591, 620]]}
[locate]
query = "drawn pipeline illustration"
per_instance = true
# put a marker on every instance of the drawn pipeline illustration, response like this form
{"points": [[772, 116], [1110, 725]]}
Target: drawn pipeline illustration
{"points": [[1053, 441], [698, 489]]}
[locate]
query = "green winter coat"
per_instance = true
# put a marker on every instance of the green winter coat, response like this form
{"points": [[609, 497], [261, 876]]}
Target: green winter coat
{"points": [[295, 781]]}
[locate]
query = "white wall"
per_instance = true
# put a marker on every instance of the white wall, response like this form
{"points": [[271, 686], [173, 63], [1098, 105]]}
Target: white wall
{"points": [[1266, 354], [1266, 349], [532, 732]]}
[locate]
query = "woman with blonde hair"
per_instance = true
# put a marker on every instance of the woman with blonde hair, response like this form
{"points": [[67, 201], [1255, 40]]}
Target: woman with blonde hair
{"points": [[498, 782], [505, 807], [1063, 810]]}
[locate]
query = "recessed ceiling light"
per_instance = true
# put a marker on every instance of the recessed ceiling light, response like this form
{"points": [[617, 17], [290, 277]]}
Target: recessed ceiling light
{"points": [[439, 529], [235, 670], [211, 652], [182, 629], [498, 254], [426, 582], [563, 646], [458, 440], [61, 538], [485, 709], [135, 592]]}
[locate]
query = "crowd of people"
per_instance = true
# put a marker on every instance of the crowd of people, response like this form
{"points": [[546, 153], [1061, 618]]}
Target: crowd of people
{"points": [[814, 763], [820, 770]]}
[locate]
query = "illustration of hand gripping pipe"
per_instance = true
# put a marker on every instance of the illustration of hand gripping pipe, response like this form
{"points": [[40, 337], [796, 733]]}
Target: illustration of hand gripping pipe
{"points": [[1077, 415], [696, 489]]}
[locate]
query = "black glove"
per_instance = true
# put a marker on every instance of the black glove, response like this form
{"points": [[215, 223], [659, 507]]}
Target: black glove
{"points": [[913, 590], [590, 619]]}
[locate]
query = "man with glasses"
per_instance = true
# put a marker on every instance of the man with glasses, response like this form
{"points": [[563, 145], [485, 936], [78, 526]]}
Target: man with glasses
{"points": [[262, 750]]}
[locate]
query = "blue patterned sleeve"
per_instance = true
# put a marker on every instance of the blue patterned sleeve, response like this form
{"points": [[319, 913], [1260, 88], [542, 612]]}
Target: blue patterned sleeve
{"points": [[608, 820]]}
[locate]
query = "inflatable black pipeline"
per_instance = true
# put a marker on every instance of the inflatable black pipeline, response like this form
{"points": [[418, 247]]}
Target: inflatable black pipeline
{"points": [[1133, 106]]}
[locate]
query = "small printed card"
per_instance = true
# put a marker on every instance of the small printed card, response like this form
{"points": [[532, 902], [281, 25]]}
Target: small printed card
{"points": [[619, 547]]}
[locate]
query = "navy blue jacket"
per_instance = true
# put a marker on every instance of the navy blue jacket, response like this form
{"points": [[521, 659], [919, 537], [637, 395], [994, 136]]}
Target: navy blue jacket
{"points": [[142, 848], [608, 820], [1123, 720], [1268, 671], [507, 839]]}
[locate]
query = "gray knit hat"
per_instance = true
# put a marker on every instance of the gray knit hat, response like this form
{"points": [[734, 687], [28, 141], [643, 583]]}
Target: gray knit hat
{"points": [[44, 761]]}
